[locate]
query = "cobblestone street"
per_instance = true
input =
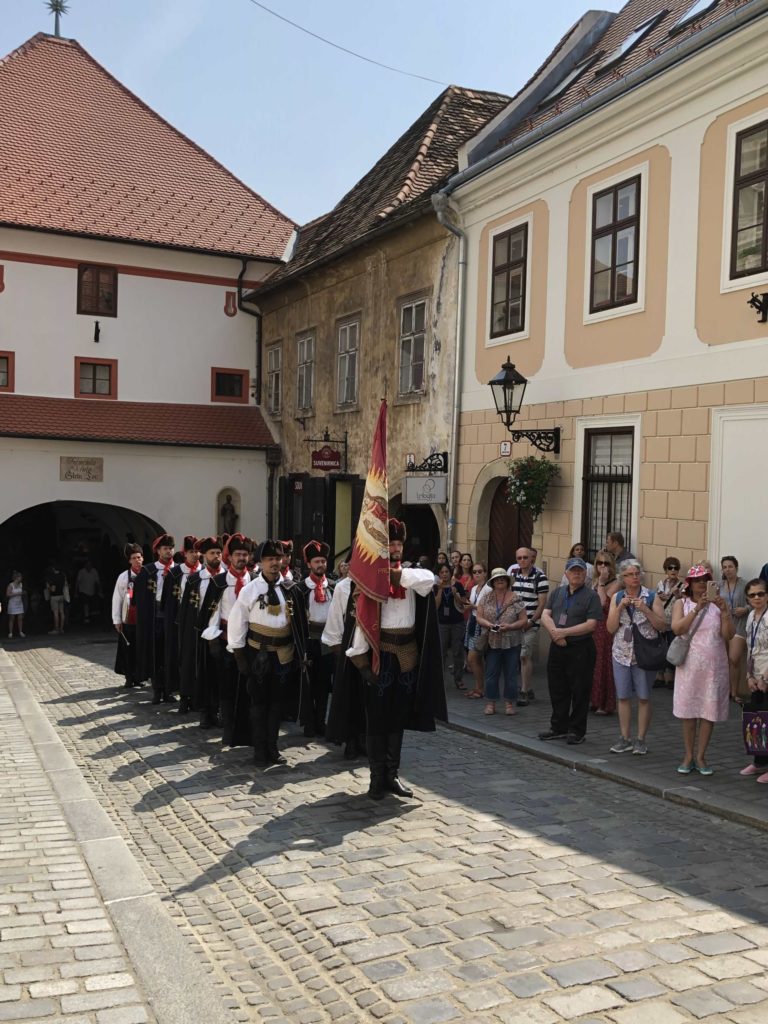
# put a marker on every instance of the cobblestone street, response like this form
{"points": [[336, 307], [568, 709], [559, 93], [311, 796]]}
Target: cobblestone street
{"points": [[513, 889]]}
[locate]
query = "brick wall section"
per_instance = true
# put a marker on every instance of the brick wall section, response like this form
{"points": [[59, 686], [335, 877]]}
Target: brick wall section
{"points": [[674, 467]]}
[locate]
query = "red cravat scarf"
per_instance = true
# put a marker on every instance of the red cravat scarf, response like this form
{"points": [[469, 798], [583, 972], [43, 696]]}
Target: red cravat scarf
{"points": [[166, 566], [396, 592], [320, 584], [284, 573], [239, 579]]}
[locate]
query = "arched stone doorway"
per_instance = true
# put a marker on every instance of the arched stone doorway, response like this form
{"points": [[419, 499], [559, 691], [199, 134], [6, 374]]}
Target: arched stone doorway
{"points": [[494, 528], [509, 527], [70, 533]]}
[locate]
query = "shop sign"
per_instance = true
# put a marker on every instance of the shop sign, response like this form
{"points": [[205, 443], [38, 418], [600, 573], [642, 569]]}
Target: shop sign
{"points": [[326, 459], [81, 468], [426, 490]]}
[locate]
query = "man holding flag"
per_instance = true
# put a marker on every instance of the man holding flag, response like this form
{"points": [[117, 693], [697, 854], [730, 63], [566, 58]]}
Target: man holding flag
{"points": [[392, 645]]}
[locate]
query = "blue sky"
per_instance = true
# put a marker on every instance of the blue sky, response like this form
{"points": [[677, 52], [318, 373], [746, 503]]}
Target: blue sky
{"points": [[296, 120]]}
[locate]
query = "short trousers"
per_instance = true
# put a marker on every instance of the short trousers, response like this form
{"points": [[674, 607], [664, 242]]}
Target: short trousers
{"points": [[57, 601], [631, 680], [530, 643]]}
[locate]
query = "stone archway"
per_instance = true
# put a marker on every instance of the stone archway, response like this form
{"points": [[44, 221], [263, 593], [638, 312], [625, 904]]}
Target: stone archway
{"points": [[71, 533], [479, 512]]}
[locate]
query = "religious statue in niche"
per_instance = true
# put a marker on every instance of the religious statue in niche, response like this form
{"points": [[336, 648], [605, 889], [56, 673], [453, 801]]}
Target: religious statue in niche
{"points": [[228, 516]]}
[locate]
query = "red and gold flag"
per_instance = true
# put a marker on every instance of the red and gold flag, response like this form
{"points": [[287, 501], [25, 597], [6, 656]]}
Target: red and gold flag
{"points": [[369, 562]]}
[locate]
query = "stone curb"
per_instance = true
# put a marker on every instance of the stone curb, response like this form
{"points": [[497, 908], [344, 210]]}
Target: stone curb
{"points": [[170, 975], [685, 795]]}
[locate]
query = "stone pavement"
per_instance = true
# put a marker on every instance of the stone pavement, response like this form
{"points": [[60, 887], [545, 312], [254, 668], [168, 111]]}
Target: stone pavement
{"points": [[514, 890], [726, 793]]}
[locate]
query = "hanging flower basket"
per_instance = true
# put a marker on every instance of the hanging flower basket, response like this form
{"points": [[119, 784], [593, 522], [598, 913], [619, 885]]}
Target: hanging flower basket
{"points": [[528, 482]]}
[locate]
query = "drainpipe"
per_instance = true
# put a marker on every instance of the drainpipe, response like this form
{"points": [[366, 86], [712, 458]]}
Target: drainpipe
{"points": [[256, 313], [441, 205]]}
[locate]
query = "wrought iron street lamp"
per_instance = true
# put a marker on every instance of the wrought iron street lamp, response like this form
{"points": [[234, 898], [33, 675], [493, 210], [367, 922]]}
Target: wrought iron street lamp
{"points": [[508, 388]]}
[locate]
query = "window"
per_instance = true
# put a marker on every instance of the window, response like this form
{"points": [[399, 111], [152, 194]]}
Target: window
{"points": [[229, 385], [749, 238], [510, 254], [349, 339], [573, 75], [7, 371], [305, 372], [615, 245], [697, 10], [274, 379], [96, 290], [607, 486], [413, 321], [95, 378], [630, 42]]}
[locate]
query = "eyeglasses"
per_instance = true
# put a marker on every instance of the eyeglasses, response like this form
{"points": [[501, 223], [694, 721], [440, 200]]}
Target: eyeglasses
{"points": [[602, 563], [756, 593]]}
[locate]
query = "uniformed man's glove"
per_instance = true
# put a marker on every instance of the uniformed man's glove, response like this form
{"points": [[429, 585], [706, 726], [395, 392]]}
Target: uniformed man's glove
{"points": [[241, 660]]}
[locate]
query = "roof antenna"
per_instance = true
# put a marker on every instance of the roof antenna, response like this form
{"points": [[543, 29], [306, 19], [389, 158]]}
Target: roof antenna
{"points": [[57, 8]]}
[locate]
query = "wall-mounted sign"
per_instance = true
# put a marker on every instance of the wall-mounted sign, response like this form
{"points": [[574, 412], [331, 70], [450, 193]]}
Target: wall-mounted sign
{"points": [[505, 448], [82, 468], [425, 490], [326, 459]]}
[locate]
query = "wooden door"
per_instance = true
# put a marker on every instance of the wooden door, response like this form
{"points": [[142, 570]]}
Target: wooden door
{"points": [[509, 528]]}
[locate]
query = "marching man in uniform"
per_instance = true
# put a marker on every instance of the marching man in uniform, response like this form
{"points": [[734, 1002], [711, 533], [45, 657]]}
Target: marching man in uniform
{"points": [[162, 548], [318, 593], [267, 633], [125, 620], [199, 603]]}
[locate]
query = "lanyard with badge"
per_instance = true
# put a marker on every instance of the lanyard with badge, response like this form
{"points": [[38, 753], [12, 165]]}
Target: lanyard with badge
{"points": [[563, 619], [753, 632]]}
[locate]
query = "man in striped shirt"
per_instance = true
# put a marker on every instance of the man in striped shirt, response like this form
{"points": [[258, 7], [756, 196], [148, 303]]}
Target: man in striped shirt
{"points": [[532, 587]]}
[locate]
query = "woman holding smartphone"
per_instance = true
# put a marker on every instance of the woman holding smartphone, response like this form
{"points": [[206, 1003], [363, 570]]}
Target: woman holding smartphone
{"points": [[702, 685], [757, 665], [503, 614]]}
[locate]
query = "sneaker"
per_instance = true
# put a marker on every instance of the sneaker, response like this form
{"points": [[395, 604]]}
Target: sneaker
{"points": [[23, 636], [622, 746], [573, 739], [751, 769], [531, 696], [551, 735], [640, 747], [522, 701]]}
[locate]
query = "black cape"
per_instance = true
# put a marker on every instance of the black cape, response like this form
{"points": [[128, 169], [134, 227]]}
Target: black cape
{"points": [[297, 698], [194, 652], [428, 705], [144, 640]]}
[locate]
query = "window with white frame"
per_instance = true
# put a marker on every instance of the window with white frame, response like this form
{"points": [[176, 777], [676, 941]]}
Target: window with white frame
{"points": [[274, 379], [305, 372], [348, 343], [413, 330]]}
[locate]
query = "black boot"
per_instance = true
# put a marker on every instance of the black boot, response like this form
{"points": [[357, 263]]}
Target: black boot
{"points": [[391, 781], [184, 705], [377, 753], [157, 697]]}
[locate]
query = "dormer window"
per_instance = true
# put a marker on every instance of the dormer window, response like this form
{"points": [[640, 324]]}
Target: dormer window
{"points": [[573, 75], [697, 10], [631, 41]]}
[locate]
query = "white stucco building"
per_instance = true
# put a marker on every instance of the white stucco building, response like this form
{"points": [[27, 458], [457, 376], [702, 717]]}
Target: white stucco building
{"points": [[126, 364]]}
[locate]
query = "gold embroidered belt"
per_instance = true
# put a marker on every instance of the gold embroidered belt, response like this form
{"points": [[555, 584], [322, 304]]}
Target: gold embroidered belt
{"points": [[266, 638], [401, 643]]}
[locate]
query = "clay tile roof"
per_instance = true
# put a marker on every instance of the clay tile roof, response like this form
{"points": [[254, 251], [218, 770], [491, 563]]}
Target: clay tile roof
{"points": [[83, 419], [400, 184], [82, 155], [631, 16]]}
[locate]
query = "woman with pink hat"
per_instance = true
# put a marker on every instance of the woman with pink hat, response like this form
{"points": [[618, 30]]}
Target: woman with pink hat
{"points": [[702, 681]]}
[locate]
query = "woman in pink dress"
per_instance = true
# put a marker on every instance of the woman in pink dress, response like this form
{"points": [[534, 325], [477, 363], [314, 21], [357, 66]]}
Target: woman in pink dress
{"points": [[603, 697], [702, 682]]}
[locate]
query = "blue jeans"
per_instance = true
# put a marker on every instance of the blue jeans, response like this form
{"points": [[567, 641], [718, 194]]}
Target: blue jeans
{"points": [[495, 662]]}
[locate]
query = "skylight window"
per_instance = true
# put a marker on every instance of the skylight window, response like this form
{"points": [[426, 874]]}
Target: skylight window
{"points": [[631, 41], [697, 10], [573, 75]]}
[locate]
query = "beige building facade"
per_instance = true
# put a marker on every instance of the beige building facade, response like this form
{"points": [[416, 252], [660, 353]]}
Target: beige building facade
{"points": [[614, 240]]}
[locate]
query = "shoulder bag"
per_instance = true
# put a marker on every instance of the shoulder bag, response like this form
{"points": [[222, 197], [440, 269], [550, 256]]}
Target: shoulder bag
{"points": [[678, 649]]}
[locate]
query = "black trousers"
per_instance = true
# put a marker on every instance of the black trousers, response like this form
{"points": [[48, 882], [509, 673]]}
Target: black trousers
{"points": [[388, 701], [234, 703], [569, 675], [158, 672], [320, 679], [265, 691]]}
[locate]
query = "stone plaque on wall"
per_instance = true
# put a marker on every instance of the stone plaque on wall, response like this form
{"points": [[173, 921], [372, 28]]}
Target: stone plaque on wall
{"points": [[83, 468]]}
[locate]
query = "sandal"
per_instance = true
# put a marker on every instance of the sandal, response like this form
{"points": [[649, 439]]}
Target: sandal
{"points": [[510, 709], [475, 694], [490, 709], [460, 686]]}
